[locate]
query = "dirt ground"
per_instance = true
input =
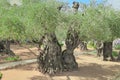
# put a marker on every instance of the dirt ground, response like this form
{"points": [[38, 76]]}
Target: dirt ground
{"points": [[90, 68], [24, 52]]}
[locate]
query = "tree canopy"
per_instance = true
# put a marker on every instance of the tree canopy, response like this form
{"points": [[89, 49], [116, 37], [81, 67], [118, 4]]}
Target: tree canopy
{"points": [[35, 17], [99, 22], [11, 25], [30, 20]]}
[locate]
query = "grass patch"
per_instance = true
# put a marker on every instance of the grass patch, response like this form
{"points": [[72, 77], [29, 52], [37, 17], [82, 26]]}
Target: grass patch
{"points": [[15, 58], [1, 75], [117, 47], [115, 53], [91, 45]]}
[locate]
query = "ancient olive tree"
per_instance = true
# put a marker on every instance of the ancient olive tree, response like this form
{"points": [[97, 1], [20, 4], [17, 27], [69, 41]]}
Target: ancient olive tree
{"points": [[11, 26], [72, 40], [43, 18], [101, 23]]}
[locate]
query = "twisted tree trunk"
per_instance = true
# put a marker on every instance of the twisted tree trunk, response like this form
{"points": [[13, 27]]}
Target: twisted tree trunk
{"points": [[83, 45], [2, 47], [50, 60], [107, 51], [7, 48], [99, 48], [72, 41]]}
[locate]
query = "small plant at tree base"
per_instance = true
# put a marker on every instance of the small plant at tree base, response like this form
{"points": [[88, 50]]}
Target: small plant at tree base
{"points": [[117, 46], [15, 58], [61, 44], [115, 53], [91, 44], [1, 75]]}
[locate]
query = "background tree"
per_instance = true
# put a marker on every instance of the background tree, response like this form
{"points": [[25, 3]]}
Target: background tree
{"points": [[11, 26], [101, 23]]}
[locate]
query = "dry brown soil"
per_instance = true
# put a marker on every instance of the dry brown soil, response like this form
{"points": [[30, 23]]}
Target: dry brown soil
{"points": [[24, 52], [90, 68]]}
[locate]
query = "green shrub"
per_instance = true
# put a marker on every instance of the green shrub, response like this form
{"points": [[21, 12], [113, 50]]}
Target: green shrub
{"points": [[61, 44], [117, 46], [15, 58], [91, 44], [1, 75], [115, 53]]}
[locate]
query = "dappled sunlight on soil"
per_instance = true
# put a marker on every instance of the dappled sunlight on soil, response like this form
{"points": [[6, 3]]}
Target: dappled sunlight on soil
{"points": [[90, 68]]}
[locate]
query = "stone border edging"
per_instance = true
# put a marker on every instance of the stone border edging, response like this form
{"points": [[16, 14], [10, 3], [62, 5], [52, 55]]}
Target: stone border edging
{"points": [[13, 64]]}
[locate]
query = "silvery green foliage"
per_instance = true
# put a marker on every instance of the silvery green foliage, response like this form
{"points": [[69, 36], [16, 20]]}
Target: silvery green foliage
{"points": [[100, 22], [29, 20], [11, 23], [94, 21]]}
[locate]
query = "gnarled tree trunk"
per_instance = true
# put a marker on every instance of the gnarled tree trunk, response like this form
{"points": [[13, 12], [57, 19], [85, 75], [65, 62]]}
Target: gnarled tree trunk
{"points": [[83, 45], [2, 48], [99, 48], [7, 48], [72, 41], [50, 60], [107, 51]]}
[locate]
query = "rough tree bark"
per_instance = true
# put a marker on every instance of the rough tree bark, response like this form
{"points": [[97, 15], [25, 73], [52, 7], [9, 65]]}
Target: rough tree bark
{"points": [[7, 48], [2, 48], [72, 41], [50, 60], [107, 51], [99, 48], [83, 45]]}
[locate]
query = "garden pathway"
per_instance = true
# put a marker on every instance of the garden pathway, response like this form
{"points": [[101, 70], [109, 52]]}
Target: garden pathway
{"points": [[17, 63]]}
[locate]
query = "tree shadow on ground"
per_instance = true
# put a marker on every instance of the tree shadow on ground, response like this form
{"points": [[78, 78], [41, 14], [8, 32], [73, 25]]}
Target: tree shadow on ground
{"points": [[90, 71], [33, 53], [24, 49]]}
